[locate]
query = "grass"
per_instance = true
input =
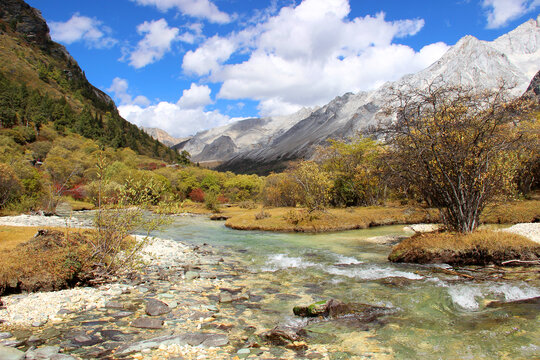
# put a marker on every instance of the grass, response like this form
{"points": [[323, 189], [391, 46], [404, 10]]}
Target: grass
{"points": [[512, 212], [54, 260], [299, 220], [479, 248]]}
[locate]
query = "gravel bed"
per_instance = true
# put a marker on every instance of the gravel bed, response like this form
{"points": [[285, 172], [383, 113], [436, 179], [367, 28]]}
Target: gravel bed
{"points": [[41, 220], [529, 230]]}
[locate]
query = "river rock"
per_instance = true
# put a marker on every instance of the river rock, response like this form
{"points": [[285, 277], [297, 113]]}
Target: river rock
{"points": [[336, 309], [225, 297], [191, 275], [46, 352], [9, 353], [156, 307], [281, 335], [5, 335], [147, 323]]}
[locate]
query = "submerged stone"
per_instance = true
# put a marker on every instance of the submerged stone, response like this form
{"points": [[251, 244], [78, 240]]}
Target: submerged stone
{"points": [[9, 353], [147, 323], [155, 307]]}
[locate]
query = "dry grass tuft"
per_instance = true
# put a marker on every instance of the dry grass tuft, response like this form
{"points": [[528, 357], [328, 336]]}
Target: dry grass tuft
{"points": [[480, 248]]}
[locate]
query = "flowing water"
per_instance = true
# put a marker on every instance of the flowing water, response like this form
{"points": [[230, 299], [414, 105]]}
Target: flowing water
{"points": [[438, 315]]}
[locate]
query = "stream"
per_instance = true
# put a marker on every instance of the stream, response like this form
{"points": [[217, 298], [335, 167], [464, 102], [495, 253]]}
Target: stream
{"points": [[438, 315]]}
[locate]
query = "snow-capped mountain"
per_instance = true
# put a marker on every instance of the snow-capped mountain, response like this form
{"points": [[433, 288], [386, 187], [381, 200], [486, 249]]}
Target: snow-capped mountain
{"points": [[261, 145]]}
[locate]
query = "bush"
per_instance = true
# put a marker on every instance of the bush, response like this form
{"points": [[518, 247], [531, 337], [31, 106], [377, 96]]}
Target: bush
{"points": [[197, 195], [247, 205], [262, 215], [10, 185], [211, 202]]}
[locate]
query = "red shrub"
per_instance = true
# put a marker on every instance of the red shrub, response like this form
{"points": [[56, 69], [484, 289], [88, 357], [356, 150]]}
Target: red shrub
{"points": [[197, 195], [222, 199]]}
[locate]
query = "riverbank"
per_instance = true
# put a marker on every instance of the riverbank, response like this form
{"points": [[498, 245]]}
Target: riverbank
{"points": [[517, 245]]}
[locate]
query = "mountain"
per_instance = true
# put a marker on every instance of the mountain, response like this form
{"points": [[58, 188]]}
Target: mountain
{"points": [[513, 58], [162, 136], [41, 83], [245, 135]]}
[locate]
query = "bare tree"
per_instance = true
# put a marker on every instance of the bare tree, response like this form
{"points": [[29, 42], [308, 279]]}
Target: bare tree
{"points": [[456, 147]]}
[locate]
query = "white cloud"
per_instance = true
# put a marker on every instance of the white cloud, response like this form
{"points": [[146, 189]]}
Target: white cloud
{"points": [[500, 12], [183, 118], [172, 118], [119, 87], [203, 9], [308, 54], [82, 28], [209, 56], [158, 37], [195, 97]]}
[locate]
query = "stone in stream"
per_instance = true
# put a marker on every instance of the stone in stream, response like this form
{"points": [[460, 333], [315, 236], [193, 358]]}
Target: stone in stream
{"points": [[114, 305], [531, 302], [191, 275], [147, 323], [121, 314], [34, 341], [46, 352], [9, 353], [335, 309], [155, 307], [281, 335], [225, 297], [11, 343], [5, 335]]}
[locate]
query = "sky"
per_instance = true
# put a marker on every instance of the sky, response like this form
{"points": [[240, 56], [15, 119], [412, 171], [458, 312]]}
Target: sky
{"points": [[188, 65]]}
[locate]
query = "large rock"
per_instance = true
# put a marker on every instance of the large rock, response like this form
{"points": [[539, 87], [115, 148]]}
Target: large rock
{"points": [[43, 353], [282, 335], [155, 307], [9, 353], [336, 309], [147, 323]]}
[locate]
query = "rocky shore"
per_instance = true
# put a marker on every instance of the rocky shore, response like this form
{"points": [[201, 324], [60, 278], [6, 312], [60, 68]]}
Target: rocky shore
{"points": [[186, 302]]}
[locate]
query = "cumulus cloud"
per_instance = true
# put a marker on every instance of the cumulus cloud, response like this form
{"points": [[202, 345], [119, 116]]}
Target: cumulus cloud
{"points": [[158, 37], [307, 54], [185, 117], [82, 28], [209, 56], [203, 9], [119, 88], [195, 97], [500, 12]]}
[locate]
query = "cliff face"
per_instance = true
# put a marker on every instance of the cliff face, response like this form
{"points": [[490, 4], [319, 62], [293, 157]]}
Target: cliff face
{"points": [[21, 19], [26, 20]]}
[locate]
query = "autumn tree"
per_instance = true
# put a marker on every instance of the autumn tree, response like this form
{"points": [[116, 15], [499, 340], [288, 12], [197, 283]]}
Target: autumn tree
{"points": [[10, 185], [314, 185], [456, 147], [354, 167]]}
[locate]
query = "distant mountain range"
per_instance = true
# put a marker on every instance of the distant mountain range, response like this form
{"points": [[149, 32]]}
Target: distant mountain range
{"points": [[261, 145]]}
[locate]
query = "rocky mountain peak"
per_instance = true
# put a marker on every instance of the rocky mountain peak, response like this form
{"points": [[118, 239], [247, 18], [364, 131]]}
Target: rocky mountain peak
{"points": [[25, 20]]}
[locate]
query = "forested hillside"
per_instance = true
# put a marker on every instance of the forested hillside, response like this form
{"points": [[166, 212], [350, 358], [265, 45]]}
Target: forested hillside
{"points": [[41, 83]]}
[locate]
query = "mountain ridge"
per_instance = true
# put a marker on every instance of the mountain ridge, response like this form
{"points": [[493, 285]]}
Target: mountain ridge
{"points": [[511, 58]]}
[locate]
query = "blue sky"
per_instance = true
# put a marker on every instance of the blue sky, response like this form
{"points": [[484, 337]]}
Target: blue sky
{"points": [[188, 65]]}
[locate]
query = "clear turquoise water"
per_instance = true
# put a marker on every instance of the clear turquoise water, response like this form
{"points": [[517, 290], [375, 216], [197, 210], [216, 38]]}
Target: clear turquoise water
{"points": [[438, 316]]}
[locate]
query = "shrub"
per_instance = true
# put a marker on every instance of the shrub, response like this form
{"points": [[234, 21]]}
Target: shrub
{"points": [[262, 215], [197, 195], [211, 202], [10, 185], [247, 204]]}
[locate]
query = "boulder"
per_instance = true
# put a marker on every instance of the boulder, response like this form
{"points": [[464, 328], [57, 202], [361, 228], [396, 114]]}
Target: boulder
{"points": [[156, 307]]}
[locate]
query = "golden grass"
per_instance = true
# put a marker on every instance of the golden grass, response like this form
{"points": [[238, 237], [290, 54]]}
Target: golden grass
{"points": [[512, 212], [11, 236], [480, 247], [326, 221], [78, 205], [50, 262]]}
